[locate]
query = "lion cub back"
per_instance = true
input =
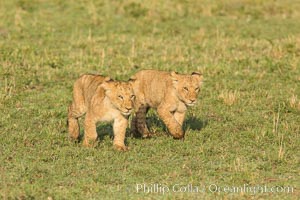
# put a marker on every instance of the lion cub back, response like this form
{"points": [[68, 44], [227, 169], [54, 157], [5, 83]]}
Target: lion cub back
{"points": [[86, 86], [152, 86]]}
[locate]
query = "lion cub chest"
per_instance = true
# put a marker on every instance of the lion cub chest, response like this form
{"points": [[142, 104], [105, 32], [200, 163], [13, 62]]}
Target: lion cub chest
{"points": [[106, 111]]}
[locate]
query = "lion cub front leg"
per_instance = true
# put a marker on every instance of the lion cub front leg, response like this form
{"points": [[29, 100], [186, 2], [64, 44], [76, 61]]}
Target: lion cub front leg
{"points": [[119, 127], [173, 126], [90, 133], [179, 116]]}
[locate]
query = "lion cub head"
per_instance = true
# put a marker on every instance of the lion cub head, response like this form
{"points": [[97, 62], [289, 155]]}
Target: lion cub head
{"points": [[120, 95], [187, 86]]}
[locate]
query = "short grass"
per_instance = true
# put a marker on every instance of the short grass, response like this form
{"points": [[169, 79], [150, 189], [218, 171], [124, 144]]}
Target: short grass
{"points": [[243, 131]]}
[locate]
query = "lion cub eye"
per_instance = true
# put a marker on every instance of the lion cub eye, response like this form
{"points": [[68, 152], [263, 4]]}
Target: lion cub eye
{"points": [[197, 89], [186, 89], [121, 97], [132, 97]]}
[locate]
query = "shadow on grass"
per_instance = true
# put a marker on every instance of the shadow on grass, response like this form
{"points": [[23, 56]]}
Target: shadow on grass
{"points": [[104, 130], [155, 124], [194, 123], [191, 122]]}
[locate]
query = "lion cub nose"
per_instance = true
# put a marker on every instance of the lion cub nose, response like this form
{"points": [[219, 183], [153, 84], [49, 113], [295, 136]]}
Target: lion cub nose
{"points": [[192, 100], [128, 108]]}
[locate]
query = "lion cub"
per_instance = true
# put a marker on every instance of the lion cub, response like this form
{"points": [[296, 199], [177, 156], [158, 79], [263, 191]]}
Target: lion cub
{"points": [[167, 92], [101, 99]]}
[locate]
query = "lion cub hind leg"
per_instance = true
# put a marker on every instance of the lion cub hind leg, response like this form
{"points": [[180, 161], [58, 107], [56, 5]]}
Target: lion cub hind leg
{"points": [[76, 110], [133, 127], [90, 133], [141, 122], [73, 125]]}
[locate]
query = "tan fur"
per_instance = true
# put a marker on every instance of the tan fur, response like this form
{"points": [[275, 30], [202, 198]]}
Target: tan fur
{"points": [[100, 99], [167, 92]]}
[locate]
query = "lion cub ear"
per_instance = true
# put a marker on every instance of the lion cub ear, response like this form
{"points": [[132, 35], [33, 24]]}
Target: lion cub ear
{"points": [[107, 79], [174, 76], [106, 84], [198, 76], [132, 78]]}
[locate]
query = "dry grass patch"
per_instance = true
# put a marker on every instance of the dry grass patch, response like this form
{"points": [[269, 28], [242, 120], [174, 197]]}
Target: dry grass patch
{"points": [[294, 102], [229, 97]]}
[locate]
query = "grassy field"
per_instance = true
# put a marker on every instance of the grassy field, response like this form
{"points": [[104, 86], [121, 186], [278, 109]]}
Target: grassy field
{"points": [[244, 131]]}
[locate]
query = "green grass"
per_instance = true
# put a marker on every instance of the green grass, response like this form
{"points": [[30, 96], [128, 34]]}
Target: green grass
{"points": [[244, 129]]}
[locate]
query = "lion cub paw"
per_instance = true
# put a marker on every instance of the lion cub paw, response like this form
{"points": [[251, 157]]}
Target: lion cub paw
{"points": [[89, 143], [178, 134], [121, 148], [147, 135]]}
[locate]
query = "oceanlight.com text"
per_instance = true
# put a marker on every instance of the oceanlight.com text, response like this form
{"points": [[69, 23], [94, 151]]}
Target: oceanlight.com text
{"points": [[211, 188]]}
